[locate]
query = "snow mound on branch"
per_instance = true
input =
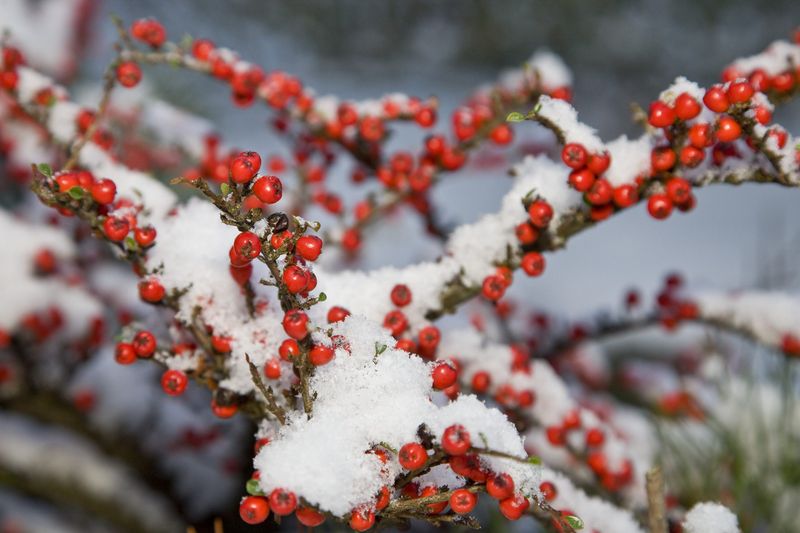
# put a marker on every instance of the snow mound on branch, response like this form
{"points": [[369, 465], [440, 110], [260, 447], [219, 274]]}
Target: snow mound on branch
{"points": [[471, 253], [365, 399], [777, 58], [596, 514], [710, 517], [767, 315], [550, 69], [565, 117], [630, 158], [157, 198]]}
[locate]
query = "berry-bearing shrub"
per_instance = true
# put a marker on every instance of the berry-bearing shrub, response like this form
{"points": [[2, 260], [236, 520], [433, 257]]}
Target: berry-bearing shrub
{"points": [[367, 412]]}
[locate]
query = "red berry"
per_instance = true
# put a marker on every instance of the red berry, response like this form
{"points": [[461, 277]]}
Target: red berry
{"points": [[425, 116], [625, 195], [760, 80], [686, 106], [716, 99], [320, 355], [295, 278], [463, 501], [456, 440], [66, 181], [223, 411], [691, 156], [700, 135], [595, 437], [502, 134], [202, 48], [254, 509], [548, 490], [125, 354], [429, 338], [149, 31], [412, 456], [151, 291], [500, 486], [247, 245], [383, 496], [581, 180], [351, 239], [556, 435], [103, 191], [679, 190], [661, 115], [295, 323], [533, 263], [128, 74], [783, 82], [174, 382], [443, 375], [401, 295], [728, 130], [337, 314], [740, 91], [574, 155], [659, 206], [242, 170], [309, 517], [598, 163], [480, 382], [309, 247], [540, 213], [526, 233], [600, 192], [116, 229], [396, 322], [433, 508], [790, 345], [494, 287], [144, 236], [282, 502], [268, 189], [362, 519], [221, 343], [288, 349], [272, 368], [144, 343], [662, 158], [514, 506]]}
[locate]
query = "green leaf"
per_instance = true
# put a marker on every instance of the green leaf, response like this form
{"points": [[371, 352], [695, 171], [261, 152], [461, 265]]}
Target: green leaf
{"points": [[379, 348], [574, 521], [515, 116], [76, 192], [322, 297], [131, 244], [252, 488], [45, 169], [224, 189], [535, 460], [537, 108]]}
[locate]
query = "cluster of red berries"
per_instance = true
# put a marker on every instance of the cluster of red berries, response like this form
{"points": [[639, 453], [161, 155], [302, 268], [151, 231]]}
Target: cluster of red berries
{"points": [[586, 177], [142, 346], [11, 59], [457, 444], [594, 439], [674, 308], [533, 263], [689, 141]]}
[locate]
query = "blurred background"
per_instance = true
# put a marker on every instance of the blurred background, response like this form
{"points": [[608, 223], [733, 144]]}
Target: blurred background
{"points": [[620, 52]]}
